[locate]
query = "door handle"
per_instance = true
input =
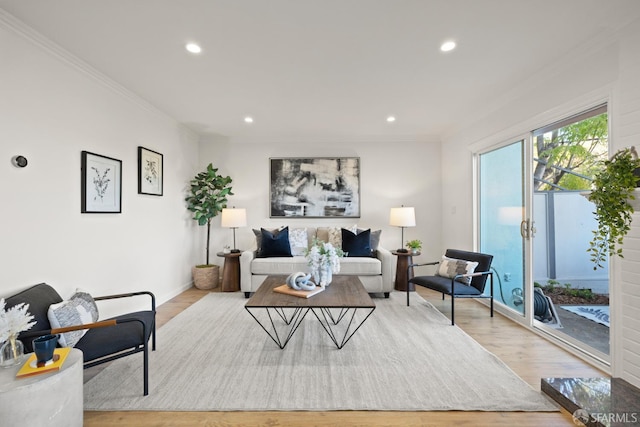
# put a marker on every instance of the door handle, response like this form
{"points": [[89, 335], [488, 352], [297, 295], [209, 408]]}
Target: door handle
{"points": [[527, 229], [524, 228]]}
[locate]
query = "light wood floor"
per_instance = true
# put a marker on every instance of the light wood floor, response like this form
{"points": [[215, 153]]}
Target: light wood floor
{"points": [[529, 355]]}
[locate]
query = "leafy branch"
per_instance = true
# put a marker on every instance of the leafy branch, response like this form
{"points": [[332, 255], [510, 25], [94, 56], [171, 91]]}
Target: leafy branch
{"points": [[613, 187]]}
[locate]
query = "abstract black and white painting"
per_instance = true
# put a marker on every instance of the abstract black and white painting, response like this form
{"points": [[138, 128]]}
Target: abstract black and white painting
{"points": [[318, 187], [149, 172], [101, 184]]}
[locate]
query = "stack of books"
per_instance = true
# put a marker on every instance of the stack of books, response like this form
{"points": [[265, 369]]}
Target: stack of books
{"points": [[285, 289], [32, 367]]}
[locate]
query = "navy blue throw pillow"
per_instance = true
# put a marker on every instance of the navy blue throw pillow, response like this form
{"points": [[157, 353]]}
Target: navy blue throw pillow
{"points": [[356, 244], [275, 244]]}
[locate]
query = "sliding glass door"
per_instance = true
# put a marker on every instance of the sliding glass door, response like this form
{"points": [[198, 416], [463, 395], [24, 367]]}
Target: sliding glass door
{"points": [[535, 218], [502, 222], [566, 155]]}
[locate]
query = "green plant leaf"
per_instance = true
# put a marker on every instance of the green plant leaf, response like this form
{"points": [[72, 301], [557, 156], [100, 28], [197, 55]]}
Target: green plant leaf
{"points": [[207, 198], [613, 187]]}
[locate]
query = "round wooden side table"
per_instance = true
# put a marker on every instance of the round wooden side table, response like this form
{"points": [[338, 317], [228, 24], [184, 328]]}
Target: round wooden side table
{"points": [[402, 273], [230, 271]]}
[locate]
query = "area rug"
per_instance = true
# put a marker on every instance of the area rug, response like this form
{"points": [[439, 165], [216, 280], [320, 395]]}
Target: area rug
{"points": [[597, 313], [215, 357]]}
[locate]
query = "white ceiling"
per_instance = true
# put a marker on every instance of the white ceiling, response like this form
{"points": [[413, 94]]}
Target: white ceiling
{"points": [[321, 68]]}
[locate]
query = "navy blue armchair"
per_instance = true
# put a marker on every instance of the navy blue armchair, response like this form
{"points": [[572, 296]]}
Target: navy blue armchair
{"points": [[105, 340], [452, 285]]}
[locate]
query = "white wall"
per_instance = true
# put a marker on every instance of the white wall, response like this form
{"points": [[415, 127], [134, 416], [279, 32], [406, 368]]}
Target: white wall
{"points": [[49, 112], [393, 173], [600, 70], [627, 128], [570, 232]]}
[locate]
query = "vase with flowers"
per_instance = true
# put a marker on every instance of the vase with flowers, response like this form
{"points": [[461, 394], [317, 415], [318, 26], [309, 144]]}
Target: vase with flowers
{"points": [[324, 261], [12, 322]]}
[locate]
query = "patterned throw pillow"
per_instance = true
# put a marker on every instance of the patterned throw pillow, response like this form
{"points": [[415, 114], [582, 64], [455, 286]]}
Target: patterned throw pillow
{"points": [[86, 300], [78, 310], [335, 235], [299, 241], [450, 267]]}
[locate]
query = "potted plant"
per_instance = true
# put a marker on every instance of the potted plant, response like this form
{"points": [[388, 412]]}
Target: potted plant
{"points": [[613, 188], [414, 245], [208, 196]]}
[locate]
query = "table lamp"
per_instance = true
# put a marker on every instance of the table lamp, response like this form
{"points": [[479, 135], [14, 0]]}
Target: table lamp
{"points": [[402, 217], [234, 218]]}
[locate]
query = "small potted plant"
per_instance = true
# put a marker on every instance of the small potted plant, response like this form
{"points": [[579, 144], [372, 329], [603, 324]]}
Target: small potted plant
{"points": [[208, 197], [414, 245], [613, 189]]}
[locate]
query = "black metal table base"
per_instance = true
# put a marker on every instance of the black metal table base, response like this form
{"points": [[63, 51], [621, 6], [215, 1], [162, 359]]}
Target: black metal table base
{"points": [[330, 323], [292, 318], [292, 322]]}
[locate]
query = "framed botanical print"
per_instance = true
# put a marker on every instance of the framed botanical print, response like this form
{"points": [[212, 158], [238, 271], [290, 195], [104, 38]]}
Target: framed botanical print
{"points": [[315, 187], [101, 184], [150, 172]]}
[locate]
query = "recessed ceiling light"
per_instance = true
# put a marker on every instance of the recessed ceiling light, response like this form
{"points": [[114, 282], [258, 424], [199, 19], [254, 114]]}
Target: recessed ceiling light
{"points": [[193, 48], [391, 119], [448, 46], [248, 119]]}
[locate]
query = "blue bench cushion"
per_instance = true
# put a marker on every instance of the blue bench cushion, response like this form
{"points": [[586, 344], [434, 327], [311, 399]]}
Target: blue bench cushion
{"points": [[99, 342], [443, 284]]}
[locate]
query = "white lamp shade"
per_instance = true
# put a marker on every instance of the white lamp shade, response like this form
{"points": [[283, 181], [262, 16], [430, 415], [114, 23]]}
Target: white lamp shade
{"points": [[233, 218], [402, 217]]}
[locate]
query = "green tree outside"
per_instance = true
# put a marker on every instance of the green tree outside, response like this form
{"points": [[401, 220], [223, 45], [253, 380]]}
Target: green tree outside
{"points": [[568, 158]]}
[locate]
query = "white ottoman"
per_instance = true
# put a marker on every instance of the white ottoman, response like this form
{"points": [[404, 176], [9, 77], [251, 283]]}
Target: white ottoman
{"points": [[47, 400]]}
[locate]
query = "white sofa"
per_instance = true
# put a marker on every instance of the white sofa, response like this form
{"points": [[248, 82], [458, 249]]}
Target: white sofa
{"points": [[376, 274]]}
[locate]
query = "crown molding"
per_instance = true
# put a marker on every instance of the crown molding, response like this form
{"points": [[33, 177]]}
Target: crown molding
{"points": [[18, 27]]}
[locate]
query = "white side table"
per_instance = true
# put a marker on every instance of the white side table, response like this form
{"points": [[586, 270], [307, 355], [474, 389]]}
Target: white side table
{"points": [[51, 399]]}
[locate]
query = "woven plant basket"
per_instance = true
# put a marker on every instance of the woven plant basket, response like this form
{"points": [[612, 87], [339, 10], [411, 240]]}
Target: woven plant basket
{"points": [[206, 276]]}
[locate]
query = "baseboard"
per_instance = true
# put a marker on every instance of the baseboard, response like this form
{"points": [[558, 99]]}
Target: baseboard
{"points": [[161, 299]]}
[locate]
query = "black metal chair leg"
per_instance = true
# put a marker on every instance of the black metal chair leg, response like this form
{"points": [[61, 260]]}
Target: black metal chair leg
{"points": [[452, 308], [146, 369], [491, 284]]}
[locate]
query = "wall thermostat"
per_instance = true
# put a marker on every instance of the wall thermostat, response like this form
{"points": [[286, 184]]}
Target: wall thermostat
{"points": [[19, 161]]}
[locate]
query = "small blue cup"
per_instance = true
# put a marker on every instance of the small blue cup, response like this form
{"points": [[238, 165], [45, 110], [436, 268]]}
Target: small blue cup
{"points": [[44, 346]]}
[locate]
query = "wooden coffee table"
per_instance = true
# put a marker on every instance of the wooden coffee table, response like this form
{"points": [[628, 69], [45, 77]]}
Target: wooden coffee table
{"points": [[280, 315]]}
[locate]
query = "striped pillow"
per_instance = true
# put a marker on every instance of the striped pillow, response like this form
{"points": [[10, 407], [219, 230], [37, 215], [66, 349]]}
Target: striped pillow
{"points": [[451, 267]]}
